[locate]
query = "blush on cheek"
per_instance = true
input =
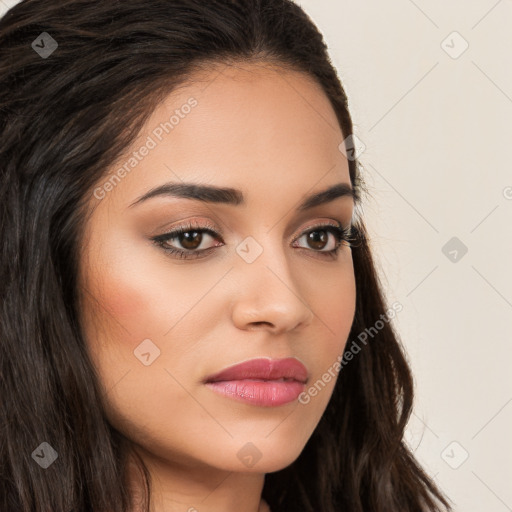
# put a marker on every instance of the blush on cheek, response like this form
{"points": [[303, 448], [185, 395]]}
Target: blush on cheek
{"points": [[118, 306], [124, 300]]}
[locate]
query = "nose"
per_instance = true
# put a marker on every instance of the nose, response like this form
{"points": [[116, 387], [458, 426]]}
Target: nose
{"points": [[268, 295]]}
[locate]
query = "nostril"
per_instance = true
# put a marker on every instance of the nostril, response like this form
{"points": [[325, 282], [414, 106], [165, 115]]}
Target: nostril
{"points": [[261, 323]]}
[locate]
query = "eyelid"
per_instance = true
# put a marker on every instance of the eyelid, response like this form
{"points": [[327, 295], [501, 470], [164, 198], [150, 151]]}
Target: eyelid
{"points": [[316, 225], [210, 228]]}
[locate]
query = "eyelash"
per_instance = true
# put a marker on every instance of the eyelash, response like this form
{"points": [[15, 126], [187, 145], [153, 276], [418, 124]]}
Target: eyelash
{"points": [[342, 235]]}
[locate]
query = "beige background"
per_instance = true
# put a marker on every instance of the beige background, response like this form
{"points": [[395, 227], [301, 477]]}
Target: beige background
{"points": [[437, 125]]}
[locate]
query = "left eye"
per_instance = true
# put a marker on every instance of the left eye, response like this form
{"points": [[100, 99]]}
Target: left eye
{"points": [[319, 237]]}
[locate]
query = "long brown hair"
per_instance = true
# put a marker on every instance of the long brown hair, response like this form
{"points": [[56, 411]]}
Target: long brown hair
{"points": [[78, 80]]}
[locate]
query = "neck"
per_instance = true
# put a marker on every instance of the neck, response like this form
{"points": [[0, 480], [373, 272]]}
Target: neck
{"points": [[198, 488]]}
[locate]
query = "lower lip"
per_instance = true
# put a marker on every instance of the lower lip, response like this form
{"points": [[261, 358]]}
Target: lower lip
{"points": [[270, 393]]}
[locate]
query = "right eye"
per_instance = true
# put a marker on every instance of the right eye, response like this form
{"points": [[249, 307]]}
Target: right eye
{"points": [[190, 237]]}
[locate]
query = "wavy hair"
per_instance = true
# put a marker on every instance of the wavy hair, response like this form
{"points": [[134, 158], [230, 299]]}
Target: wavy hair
{"points": [[64, 119]]}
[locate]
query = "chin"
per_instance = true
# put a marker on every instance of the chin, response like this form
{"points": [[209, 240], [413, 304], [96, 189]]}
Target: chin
{"points": [[274, 464], [264, 455]]}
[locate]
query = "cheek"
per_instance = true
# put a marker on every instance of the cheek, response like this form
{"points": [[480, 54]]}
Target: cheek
{"points": [[120, 308], [335, 310], [131, 291], [133, 303], [129, 298], [135, 295]]}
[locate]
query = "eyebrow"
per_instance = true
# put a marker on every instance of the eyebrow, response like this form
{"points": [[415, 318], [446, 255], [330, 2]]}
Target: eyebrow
{"points": [[235, 197]]}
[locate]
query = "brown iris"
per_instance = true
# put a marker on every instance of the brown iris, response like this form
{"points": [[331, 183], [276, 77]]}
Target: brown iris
{"points": [[191, 239], [318, 237]]}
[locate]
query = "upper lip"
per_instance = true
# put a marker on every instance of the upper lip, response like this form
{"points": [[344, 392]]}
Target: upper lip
{"points": [[263, 369]]}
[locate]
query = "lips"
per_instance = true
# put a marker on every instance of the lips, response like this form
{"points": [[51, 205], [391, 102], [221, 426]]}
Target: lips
{"points": [[289, 369], [261, 382]]}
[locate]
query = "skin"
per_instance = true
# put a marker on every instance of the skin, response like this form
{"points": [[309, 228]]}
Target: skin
{"points": [[273, 134]]}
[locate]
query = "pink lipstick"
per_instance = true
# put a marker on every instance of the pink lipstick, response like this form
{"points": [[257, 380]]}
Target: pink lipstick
{"points": [[263, 382]]}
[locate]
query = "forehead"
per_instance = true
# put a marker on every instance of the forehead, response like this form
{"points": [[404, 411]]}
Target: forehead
{"points": [[257, 127]]}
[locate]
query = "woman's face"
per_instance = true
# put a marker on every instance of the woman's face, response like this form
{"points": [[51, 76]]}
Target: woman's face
{"points": [[255, 285]]}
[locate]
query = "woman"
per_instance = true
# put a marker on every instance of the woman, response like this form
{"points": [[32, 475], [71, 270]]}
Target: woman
{"points": [[191, 316]]}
